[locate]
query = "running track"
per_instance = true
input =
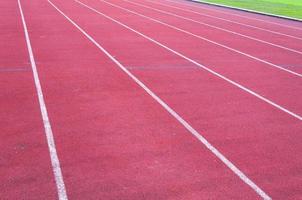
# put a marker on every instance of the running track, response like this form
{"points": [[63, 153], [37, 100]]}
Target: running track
{"points": [[129, 99]]}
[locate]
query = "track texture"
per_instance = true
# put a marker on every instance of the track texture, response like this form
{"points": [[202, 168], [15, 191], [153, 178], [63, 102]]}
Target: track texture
{"points": [[113, 140]]}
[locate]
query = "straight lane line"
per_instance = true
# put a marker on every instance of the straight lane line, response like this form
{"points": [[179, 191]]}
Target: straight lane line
{"points": [[216, 27], [207, 40], [228, 163], [47, 126]]}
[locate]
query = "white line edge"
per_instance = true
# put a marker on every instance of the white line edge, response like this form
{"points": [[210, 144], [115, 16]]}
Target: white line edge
{"points": [[47, 126]]}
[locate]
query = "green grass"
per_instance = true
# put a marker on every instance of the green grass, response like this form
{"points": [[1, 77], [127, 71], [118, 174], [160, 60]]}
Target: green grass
{"points": [[290, 8]]}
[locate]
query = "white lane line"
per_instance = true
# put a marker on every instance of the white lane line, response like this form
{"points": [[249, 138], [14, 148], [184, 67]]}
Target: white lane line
{"points": [[47, 126], [216, 27], [228, 163], [229, 13], [207, 40], [198, 64], [227, 20]]}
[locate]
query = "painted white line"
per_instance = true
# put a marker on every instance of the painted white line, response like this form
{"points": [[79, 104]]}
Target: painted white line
{"points": [[230, 13], [47, 126], [219, 155], [216, 27], [207, 40], [230, 21]]}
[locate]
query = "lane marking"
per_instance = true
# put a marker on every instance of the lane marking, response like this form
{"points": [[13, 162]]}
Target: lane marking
{"points": [[166, 67], [229, 13], [228, 163], [227, 20], [216, 27], [47, 126], [14, 69], [207, 40]]}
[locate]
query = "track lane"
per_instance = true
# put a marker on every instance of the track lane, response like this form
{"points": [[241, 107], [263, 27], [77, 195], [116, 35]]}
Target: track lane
{"points": [[242, 70], [99, 116], [25, 167], [44, 114], [274, 57], [211, 26], [224, 22], [187, 99]]}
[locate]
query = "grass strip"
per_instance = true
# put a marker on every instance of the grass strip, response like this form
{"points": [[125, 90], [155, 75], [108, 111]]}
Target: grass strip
{"points": [[289, 8]]}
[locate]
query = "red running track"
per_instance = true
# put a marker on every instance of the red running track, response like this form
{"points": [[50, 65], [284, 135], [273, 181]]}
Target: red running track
{"points": [[113, 140]]}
